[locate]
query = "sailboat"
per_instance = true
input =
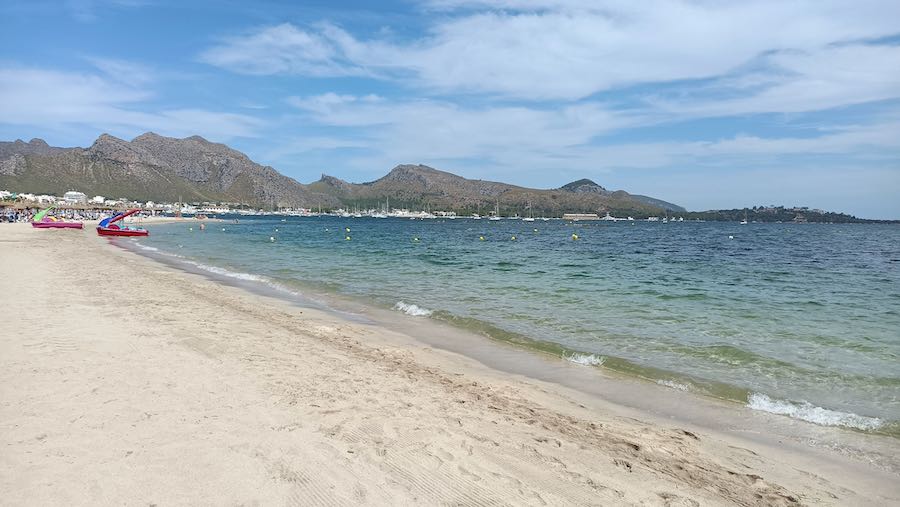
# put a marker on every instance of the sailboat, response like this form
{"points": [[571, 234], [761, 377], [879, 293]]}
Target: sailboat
{"points": [[496, 216], [530, 217], [744, 221]]}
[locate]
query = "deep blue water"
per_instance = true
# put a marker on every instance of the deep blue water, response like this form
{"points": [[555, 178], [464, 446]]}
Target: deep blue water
{"points": [[800, 319]]}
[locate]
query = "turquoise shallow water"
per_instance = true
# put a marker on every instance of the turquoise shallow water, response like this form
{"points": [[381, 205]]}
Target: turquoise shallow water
{"points": [[801, 320]]}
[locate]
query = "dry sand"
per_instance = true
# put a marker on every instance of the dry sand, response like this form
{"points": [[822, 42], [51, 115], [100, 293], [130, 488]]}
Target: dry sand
{"points": [[123, 381]]}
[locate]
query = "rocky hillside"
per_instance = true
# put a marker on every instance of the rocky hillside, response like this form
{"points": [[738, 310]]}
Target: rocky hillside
{"points": [[422, 187], [153, 167], [150, 167]]}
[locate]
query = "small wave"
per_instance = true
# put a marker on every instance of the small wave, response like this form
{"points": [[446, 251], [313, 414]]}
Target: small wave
{"points": [[247, 277], [415, 311], [230, 274], [672, 384], [808, 412], [584, 359], [156, 251]]}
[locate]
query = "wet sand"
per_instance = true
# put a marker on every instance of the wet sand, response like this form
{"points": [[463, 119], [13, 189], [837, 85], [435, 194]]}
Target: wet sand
{"points": [[126, 381]]}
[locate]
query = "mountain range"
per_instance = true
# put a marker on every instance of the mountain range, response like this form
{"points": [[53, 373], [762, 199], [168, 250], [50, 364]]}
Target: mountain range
{"points": [[158, 168]]}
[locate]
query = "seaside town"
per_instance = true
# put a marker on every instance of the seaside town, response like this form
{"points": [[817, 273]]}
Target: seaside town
{"points": [[78, 205], [22, 206]]}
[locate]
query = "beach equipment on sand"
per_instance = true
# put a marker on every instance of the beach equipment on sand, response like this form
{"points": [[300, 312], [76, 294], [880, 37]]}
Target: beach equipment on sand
{"points": [[41, 214], [42, 221], [108, 227]]}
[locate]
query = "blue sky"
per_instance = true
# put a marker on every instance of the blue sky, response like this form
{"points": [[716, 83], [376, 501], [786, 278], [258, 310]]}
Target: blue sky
{"points": [[709, 104]]}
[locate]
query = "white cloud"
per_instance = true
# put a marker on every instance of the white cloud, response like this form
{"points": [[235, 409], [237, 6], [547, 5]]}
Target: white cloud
{"points": [[859, 142], [58, 100], [123, 71], [565, 49], [327, 102], [519, 139], [281, 49], [798, 81], [427, 129]]}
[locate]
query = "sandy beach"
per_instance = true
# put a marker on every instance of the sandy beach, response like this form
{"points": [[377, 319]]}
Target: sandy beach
{"points": [[126, 381]]}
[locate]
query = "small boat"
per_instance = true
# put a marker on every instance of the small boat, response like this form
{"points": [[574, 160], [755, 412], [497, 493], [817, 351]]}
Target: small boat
{"points": [[42, 221], [55, 224], [108, 227], [530, 217], [496, 216]]}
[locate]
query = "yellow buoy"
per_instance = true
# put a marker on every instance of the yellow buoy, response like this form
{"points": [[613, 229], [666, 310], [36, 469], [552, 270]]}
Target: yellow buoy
{"points": [[415, 239], [271, 238], [513, 238], [535, 230], [347, 229], [574, 237], [347, 238], [481, 238]]}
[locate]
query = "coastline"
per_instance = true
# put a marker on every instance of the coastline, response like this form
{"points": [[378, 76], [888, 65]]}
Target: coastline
{"points": [[127, 378]]}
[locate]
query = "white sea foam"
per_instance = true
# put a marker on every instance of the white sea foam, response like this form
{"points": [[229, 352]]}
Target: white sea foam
{"points": [[237, 275], [672, 384], [230, 274], [810, 413], [409, 309], [584, 359], [155, 250]]}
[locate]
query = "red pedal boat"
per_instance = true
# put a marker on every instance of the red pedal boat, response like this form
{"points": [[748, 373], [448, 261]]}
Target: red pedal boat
{"points": [[108, 227]]}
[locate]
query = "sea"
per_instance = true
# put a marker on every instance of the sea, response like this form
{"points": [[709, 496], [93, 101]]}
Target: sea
{"points": [[801, 320]]}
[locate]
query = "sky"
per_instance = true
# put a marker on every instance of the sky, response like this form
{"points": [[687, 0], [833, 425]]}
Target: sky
{"points": [[705, 103]]}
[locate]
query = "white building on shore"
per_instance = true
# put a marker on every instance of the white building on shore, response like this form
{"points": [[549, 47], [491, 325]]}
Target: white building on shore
{"points": [[73, 197]]}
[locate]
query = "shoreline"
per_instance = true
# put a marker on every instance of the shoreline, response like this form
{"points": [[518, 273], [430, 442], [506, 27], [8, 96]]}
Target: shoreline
{"points": [[664, 402], [355, 307], [279, 401]]}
